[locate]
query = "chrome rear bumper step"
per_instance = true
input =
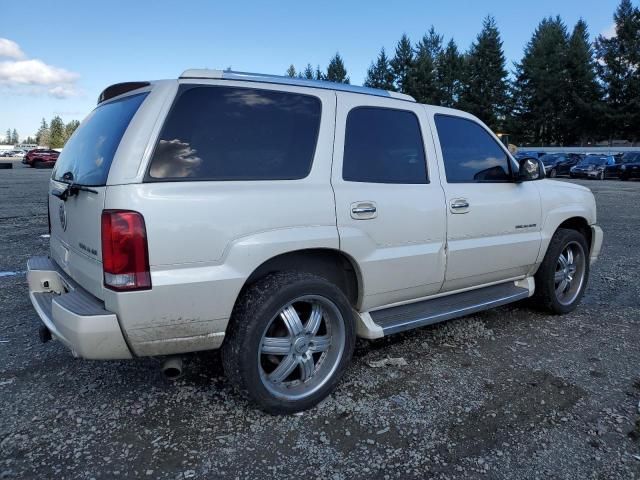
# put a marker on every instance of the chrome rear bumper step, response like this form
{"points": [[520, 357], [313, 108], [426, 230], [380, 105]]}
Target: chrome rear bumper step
{"points": [[427, 312]]}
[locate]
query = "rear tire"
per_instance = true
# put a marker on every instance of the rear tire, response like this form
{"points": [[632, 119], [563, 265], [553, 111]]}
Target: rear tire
{"points": [[290, 339], [564, 272], [38, 164]]}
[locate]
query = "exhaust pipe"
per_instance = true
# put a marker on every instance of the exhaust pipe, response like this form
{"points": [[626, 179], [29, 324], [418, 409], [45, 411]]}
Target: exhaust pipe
{"points": [[172, 368]]}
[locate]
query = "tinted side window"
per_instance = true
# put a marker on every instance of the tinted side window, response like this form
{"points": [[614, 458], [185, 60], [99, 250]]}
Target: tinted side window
{"points": [[470, 153], [229, 133], [383, 146]]}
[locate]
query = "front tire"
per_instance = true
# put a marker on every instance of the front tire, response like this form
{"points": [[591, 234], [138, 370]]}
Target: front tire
{"points": [[289, 341], [564, 272]]}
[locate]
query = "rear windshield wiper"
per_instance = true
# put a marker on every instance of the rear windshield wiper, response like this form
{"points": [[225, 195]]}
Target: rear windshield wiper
{"points": [[71, 189]]}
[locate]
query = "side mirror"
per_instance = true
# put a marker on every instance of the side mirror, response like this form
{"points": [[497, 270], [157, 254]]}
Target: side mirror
{"points": [[530, 169]]}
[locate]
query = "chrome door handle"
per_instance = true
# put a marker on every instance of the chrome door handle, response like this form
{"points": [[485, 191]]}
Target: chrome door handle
{"points": [[364, 210], [361, 210], [460, 205]]}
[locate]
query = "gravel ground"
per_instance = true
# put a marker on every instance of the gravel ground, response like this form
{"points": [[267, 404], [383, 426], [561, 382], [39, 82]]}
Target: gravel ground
{"points": [[511, 393]]}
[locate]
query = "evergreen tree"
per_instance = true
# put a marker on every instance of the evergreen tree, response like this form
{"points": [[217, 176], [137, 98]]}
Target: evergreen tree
{"points": [[308, 72], [380, 74], [42, 136], [319, 75], [541, 90], [56, 133], [422, 82], [402, 63], [14, 137], [485, 90], [70, 128], [449, 75], [336, 72], [583, 109], [618, 67], [291, 71], [7, 138]]}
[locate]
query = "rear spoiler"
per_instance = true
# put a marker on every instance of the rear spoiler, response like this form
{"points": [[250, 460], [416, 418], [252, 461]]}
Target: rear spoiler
{"points": [[120, 88]]}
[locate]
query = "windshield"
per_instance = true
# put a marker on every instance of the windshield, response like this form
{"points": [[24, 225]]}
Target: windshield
{"points": [[592, 160], [631, 157], [89, 152]]}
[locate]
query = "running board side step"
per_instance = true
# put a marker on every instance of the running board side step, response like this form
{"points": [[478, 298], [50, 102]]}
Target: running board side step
{"points": [[427, 312]]}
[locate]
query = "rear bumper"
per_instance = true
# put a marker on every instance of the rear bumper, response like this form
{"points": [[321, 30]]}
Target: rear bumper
{"points": [[596, 243], [74, 316]]}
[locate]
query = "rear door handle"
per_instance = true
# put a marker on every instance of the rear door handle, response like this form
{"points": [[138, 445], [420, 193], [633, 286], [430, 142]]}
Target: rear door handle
{"points": [[363, 210]]}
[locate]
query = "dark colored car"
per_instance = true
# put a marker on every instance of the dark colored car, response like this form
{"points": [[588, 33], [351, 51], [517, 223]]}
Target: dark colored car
{"points": [[592, 166], [556, 164], [630, 166], [525, 154], [41, 158]]}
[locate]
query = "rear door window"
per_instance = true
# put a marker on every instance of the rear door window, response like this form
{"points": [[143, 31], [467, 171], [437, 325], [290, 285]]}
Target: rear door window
{"points": [[88, 154], [383, 145], [232, 133]]}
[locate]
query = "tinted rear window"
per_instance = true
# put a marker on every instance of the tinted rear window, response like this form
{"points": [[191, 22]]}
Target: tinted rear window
{"points": [[230, 133], [89, 152]]}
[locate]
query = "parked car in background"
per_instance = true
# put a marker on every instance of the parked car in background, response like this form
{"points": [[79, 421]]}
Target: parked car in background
{"points": [[278, 219], [12, 154], [630, 166], [525, 154], [556, 164], [592, 166], [41, 158]]}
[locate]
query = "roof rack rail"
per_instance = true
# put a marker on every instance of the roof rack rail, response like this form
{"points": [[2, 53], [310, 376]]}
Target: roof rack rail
{"points": [[301, 82]]}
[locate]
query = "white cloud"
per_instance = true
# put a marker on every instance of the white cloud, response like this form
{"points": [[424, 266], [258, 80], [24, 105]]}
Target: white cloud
{"points": [[33, 76], [10, 49], [34, 72], [64, 91], [610, 32]]}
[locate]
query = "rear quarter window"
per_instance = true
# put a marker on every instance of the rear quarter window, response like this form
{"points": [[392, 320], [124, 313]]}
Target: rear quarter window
{"points": [[232, 133]]}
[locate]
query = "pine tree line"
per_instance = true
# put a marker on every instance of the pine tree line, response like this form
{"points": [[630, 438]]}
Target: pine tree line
{"points": [[11, 137], [565, 90], [56, 133]]}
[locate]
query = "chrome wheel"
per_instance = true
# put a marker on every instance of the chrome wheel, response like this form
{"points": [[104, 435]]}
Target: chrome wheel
{"points": [[569, 274], [301, 347]]}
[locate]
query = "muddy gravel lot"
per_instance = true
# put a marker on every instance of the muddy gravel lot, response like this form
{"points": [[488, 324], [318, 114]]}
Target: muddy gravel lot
{"points": [[511, 393]]}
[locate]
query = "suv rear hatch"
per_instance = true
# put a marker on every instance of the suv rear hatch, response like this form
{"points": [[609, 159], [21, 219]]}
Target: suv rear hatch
{"points": [[78, 187]]}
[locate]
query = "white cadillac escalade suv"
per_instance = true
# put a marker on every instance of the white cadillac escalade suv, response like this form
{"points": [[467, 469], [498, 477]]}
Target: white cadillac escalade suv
{"points": [[278, 219]]}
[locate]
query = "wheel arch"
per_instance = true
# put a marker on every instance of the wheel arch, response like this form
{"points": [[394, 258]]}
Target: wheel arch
{"points": [[334, 265], [579, 224]]}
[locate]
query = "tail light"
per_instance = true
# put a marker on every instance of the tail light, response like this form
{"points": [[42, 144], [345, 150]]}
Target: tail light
{"points": [[125, 254]]}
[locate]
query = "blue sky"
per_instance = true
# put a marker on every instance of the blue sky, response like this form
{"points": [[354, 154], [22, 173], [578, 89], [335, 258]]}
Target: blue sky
{"points": [[56, 57]]}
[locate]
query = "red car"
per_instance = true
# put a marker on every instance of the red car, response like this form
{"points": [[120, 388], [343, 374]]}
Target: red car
{"points": [[41, 158]]}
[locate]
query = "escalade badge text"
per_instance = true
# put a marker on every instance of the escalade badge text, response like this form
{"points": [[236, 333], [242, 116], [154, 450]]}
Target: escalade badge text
{"points": [[62, 215]]}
